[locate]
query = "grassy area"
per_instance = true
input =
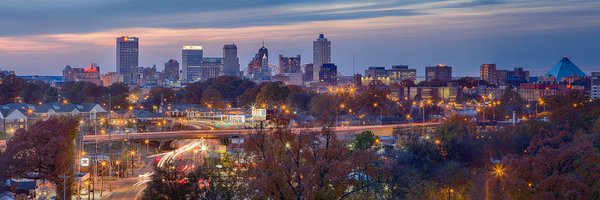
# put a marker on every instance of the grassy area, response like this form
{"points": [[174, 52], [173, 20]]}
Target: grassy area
{"points": [[3, 136]]}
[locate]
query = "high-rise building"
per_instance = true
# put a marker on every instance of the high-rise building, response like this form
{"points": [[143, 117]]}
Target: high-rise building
{"points": [[308, 72], [595, 90], [258, 68], [328, 73], [191, 63], [90, 74], [321, 54], [231, 62], [289, 65], [440, 72], [128, 58], [211, 68], [488, 73], [256, 63], [171, 71]]}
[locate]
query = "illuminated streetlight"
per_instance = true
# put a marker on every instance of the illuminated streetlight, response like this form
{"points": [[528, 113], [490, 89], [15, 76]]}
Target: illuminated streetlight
{"points": [[499, 170]]}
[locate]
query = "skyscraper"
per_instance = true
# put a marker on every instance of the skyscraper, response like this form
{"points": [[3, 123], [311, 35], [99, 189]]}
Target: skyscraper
{"points": [[171, 71], [128, 58], [439, 72], [191, 63], [488, 73], [321, 54], [231, 62], [257, 62], [289, 64]]}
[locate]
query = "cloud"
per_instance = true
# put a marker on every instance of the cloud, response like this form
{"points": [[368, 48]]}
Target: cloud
{"points": [[377, 26]]}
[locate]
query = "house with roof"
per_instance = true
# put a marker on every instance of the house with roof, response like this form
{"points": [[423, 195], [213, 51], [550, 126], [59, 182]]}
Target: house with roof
{"points": [[87, 111], [12, 119], [189, 111]]}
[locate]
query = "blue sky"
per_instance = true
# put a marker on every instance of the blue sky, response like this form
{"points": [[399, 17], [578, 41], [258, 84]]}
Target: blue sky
{"points": [[41, 37]]}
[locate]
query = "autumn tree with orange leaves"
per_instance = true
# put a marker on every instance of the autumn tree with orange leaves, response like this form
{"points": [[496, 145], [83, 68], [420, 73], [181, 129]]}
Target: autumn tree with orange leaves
{"points": [[308, 165], [45, 151]]}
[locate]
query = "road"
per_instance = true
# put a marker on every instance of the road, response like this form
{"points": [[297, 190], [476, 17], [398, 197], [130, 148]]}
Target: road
{"points": [[206, 134], [132, 188]]}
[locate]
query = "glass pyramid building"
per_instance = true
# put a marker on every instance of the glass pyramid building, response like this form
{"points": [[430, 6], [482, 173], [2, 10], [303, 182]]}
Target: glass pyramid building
{"points": [[565, 68]]}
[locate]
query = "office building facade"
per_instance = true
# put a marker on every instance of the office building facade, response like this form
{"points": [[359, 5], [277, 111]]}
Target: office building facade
{"points": [[128, 58], [191, 63], [171, 71], [488, 73], [321, 54], [231, 62], [440, 72], [328, 73], [289, 65]]}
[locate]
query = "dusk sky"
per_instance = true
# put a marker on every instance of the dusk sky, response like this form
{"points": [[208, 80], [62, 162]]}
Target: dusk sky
{"points": [[42, 36]]}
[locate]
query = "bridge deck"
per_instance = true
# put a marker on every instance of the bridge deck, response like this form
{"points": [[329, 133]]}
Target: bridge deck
{"points": [[208, 134]]}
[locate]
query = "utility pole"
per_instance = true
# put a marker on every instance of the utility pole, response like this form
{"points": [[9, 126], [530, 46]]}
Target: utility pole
{"points": [[64, 177]]}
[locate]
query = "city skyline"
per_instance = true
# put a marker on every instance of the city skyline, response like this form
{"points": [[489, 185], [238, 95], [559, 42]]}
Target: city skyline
{"points": [[457, 33]]}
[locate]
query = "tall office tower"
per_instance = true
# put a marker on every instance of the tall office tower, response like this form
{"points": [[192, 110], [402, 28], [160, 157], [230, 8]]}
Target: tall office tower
{"points": [[256, 63], [289, 65], [191, 63], [439, 72], [488, 73], [128, 58], [308, 72], [321, 54], [231, 62], [171, 71], [328, 73]]}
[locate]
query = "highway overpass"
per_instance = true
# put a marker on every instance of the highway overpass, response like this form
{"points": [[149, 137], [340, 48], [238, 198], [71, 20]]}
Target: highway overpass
{"points": [[380, 130]]}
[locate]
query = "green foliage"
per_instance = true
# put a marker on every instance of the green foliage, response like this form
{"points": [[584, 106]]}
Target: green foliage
{"points": [[364, 140], [3, 136], [455, 127], [273, 93]]}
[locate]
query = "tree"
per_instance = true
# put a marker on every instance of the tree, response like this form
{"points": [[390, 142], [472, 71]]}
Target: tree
{"points": [[273, 93], [300, 100], [155, 95], [308, 165], [170, 182], [10, 88], [213, 98], [323, 106], [364, 140], [555, 166], [193, 92], [203, 182], [45, 151]]}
